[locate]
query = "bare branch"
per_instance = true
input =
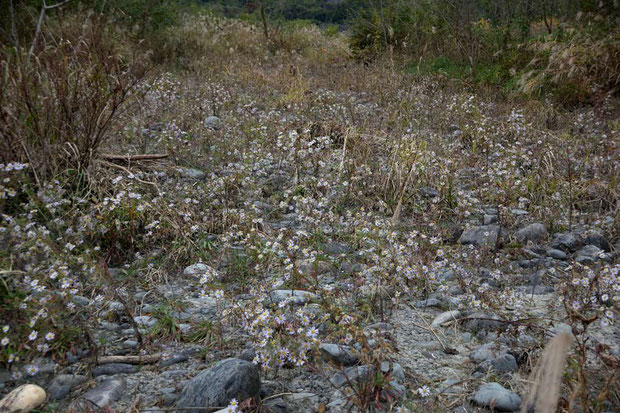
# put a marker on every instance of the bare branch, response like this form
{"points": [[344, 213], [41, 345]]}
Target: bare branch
{"points": [[37, 31]]}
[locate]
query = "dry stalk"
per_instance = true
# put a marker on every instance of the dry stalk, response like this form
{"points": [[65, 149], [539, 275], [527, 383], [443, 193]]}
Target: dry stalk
{"points": [[547, 377]]}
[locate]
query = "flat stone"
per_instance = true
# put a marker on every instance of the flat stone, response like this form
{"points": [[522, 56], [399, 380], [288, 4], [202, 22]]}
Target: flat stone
{"points": [[106, 392], [485, 352], [488, 219], [61, 385], [192, 173], [395, 369], [145, 321], [173, 359], [114, 368], [340, 354], [479, 321], [567, 242], [493, 394], [587, 255], [428, 192], [130, 344], [297, 297], [597, 238], [302, 402], [351, 375], [213, 122], [169, 395], [428, 303], [486, 235], [337, 248], [445, 317], [228, 379], [505, 363], [173, 374], [535, 233], [557, 254], [309, 268]]}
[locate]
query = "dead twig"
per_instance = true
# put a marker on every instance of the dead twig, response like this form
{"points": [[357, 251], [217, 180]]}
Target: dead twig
{"points": [[131, 158], [149, 359]]}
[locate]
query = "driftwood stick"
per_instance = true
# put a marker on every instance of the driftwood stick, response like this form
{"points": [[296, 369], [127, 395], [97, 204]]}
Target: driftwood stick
{"points": [[129, 158], [150, 359]]}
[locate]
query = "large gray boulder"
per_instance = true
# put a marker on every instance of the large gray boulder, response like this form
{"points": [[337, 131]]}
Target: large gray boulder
{"points": [[482, 236], [493, 394], [228, 379]]}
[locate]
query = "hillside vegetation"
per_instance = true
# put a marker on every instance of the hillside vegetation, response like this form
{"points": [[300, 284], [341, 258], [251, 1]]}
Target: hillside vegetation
{"points": [[411, 207]]}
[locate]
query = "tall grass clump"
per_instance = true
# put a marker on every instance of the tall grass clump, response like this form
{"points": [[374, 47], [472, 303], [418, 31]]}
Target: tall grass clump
{"points": [[576, 64], [58, 105]]}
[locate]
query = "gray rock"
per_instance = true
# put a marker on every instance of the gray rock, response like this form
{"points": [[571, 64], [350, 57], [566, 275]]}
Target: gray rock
{"points": [[506, 363], [297, 297], [228, 379], [116, 307], [106, 392], [145, 321], [535, 289], [447, 275], [488, 219], [557, 254], [445, 317], [114, 368], [567, 242], [277, 405], [519, 212], [429, 302], [381, 326], [130, 344], [485, 352], [302, 402], [486, 235], [337, 248], [173, 374], [169, 395], [106, 325], [535, 233], [196, 270], [192, 173], [213, 122], [479, 321], [587, 255], [79, 300], [396, 370], [597, 238], [351, 375], [248, 354], [428, 192], [173, 359], [62, 384], [339, 354], [493, 394], [309, 268]]}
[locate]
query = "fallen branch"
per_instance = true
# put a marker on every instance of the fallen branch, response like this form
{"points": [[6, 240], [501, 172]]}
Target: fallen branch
{"points": [[154, 358], [131, 158], [122, 168]]}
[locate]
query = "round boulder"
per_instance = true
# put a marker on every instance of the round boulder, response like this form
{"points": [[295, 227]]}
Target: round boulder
{"points": [[228, 379]]}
